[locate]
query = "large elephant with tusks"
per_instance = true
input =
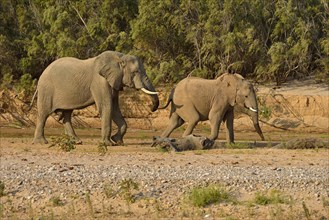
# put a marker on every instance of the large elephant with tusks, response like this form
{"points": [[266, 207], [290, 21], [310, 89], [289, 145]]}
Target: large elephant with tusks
{"points": [[70, 83], [196, 99]]}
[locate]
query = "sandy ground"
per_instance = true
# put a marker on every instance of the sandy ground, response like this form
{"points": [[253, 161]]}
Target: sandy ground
{"points": [[35, 175]]}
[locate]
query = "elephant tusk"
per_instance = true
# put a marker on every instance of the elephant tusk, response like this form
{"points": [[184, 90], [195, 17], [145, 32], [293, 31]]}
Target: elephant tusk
{"points": [[149, 92], [252, 109]]}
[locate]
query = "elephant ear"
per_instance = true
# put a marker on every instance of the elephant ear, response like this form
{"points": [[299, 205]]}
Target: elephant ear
{"points": [[109, 65], [230, 85], [243, 88]]}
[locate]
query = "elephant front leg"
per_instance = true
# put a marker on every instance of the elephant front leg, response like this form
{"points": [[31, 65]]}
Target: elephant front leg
{"points": [[106, 118], [122, 128], [229, 117], [215, 121], [118, 120], [102, 95]]}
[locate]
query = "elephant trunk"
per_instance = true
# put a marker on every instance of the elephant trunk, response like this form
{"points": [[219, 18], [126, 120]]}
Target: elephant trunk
{"points": [[254, 117]]}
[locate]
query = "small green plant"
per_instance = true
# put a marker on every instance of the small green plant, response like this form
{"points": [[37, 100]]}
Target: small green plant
{"points": [[126, 190], [265, 112], [56, 201], [272, 197], [64, 142], [306, 211], [30, 209], [164, 149], [90, 205], [203, 196], [198, 152], [102, 148], [109, 192], [2, 188]]}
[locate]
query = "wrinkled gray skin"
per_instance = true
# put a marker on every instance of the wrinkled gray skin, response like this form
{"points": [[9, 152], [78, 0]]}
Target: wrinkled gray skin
{"points": [[70, 83], [195, 99]]}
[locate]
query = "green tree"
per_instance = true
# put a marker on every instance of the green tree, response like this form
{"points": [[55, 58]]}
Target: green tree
{"points": [[298, 27], [9, 56], [158, 39], [266, 40]]}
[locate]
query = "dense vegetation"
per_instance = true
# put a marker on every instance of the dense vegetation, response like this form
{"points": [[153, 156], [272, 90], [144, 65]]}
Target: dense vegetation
{"points": [[264, 40]]}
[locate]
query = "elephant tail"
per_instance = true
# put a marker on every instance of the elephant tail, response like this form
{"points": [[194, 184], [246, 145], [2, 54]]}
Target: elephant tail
{"points": [[34, 95], [169, 99]]}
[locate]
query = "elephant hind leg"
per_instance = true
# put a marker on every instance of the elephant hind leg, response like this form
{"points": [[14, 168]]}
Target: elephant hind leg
{"points": [[190, 127], [175, 121], [39, 136], [193, 120], [67, 120]]}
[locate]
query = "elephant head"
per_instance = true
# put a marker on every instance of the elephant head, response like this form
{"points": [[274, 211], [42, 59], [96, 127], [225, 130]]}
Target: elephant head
{"points": [[126, 70], [245, 97]]}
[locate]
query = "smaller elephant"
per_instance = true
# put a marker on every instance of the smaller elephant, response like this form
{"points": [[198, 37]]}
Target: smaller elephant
{"points": [[196, 99]]}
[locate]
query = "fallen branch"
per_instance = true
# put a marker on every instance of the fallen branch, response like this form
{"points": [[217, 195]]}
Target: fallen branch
{"points": [[274, 126]]}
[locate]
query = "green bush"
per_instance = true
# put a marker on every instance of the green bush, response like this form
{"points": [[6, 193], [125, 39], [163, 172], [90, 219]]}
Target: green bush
{"points": [[203, 196], [102, 148], [26, 86], [127, 188], [64, 142], [56, 201], [267, 40], [6, 81], [272, 197]]}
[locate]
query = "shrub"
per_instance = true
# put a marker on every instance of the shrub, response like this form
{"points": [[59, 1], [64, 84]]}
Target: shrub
{"points": [[109, 192], [56, 201], [7, 80], [203, 196], [272, 197], [102, 148], [64, 142], [26, 86], [126, 190]]}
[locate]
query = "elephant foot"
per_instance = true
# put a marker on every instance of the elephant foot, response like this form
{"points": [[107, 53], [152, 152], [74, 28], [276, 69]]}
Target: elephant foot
{"points": [[108, 142], [118, 141], [40, 140]]}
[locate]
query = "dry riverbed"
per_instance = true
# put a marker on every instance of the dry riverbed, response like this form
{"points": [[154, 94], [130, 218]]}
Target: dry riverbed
{"points": [[136, 181]]}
